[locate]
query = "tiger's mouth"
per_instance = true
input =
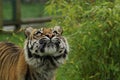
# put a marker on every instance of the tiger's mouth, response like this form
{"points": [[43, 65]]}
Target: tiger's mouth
{"points": [[49, 46]]}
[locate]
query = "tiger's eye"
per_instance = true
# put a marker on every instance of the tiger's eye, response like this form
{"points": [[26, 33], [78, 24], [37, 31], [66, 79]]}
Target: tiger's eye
{"points": [[38, 33], [55, 32]]}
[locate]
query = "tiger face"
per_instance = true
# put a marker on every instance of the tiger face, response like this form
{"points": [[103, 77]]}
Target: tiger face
{"points": [[45, 42]]}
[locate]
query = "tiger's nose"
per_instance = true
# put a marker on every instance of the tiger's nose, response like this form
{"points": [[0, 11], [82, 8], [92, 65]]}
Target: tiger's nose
{"points": [[50, 35]]}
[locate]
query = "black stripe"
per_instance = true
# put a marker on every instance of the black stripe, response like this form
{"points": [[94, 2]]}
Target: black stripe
{"points": [[53, 62], [32, 45], [27, 76], [42, 48], [51, 59], [65, 53], [57, 46], [62, 55], [36, 56], [9, 44], [28, 51], [33, 76]]}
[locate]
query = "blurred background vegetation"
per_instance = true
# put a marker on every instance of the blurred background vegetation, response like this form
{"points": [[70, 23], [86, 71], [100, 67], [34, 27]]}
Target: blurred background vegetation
{"points": [[29, 8], [92, 28]]}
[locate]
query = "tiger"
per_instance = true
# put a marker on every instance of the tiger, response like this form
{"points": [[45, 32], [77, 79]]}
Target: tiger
{"points": [[44, 51]]}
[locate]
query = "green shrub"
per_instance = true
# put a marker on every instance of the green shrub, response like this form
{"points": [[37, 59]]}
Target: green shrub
{"points": [[16, 38], [93, 31]]}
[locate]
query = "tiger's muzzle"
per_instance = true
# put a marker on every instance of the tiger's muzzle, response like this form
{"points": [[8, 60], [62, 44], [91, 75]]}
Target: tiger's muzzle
{"points": [[49, 46]]}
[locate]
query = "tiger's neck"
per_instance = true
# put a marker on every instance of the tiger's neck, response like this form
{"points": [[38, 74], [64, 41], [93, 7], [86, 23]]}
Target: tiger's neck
{"points": [[42, 67], [39, 74], [35, 70]]}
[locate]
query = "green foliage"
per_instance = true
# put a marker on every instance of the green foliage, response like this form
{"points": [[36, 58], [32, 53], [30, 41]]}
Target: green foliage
{"points": [[27, 10], [34, 10], [16, 38], [93, 31]]}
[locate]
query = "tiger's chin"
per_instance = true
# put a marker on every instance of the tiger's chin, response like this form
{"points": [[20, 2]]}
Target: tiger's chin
{"points": [[50, 51]]}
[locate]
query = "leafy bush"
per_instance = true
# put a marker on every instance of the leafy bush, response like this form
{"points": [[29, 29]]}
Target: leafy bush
{"points": [[16, 38], [93, 31]]}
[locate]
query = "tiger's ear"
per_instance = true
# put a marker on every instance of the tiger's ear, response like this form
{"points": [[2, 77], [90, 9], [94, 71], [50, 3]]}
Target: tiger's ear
{"points": [[28, 30], [58, 29]]}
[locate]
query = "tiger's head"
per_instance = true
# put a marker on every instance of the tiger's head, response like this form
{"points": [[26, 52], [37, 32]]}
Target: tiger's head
{"points": [[45, 42]]}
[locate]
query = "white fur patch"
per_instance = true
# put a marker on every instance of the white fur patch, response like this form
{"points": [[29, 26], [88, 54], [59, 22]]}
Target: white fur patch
{"points": [[50, 50]]}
